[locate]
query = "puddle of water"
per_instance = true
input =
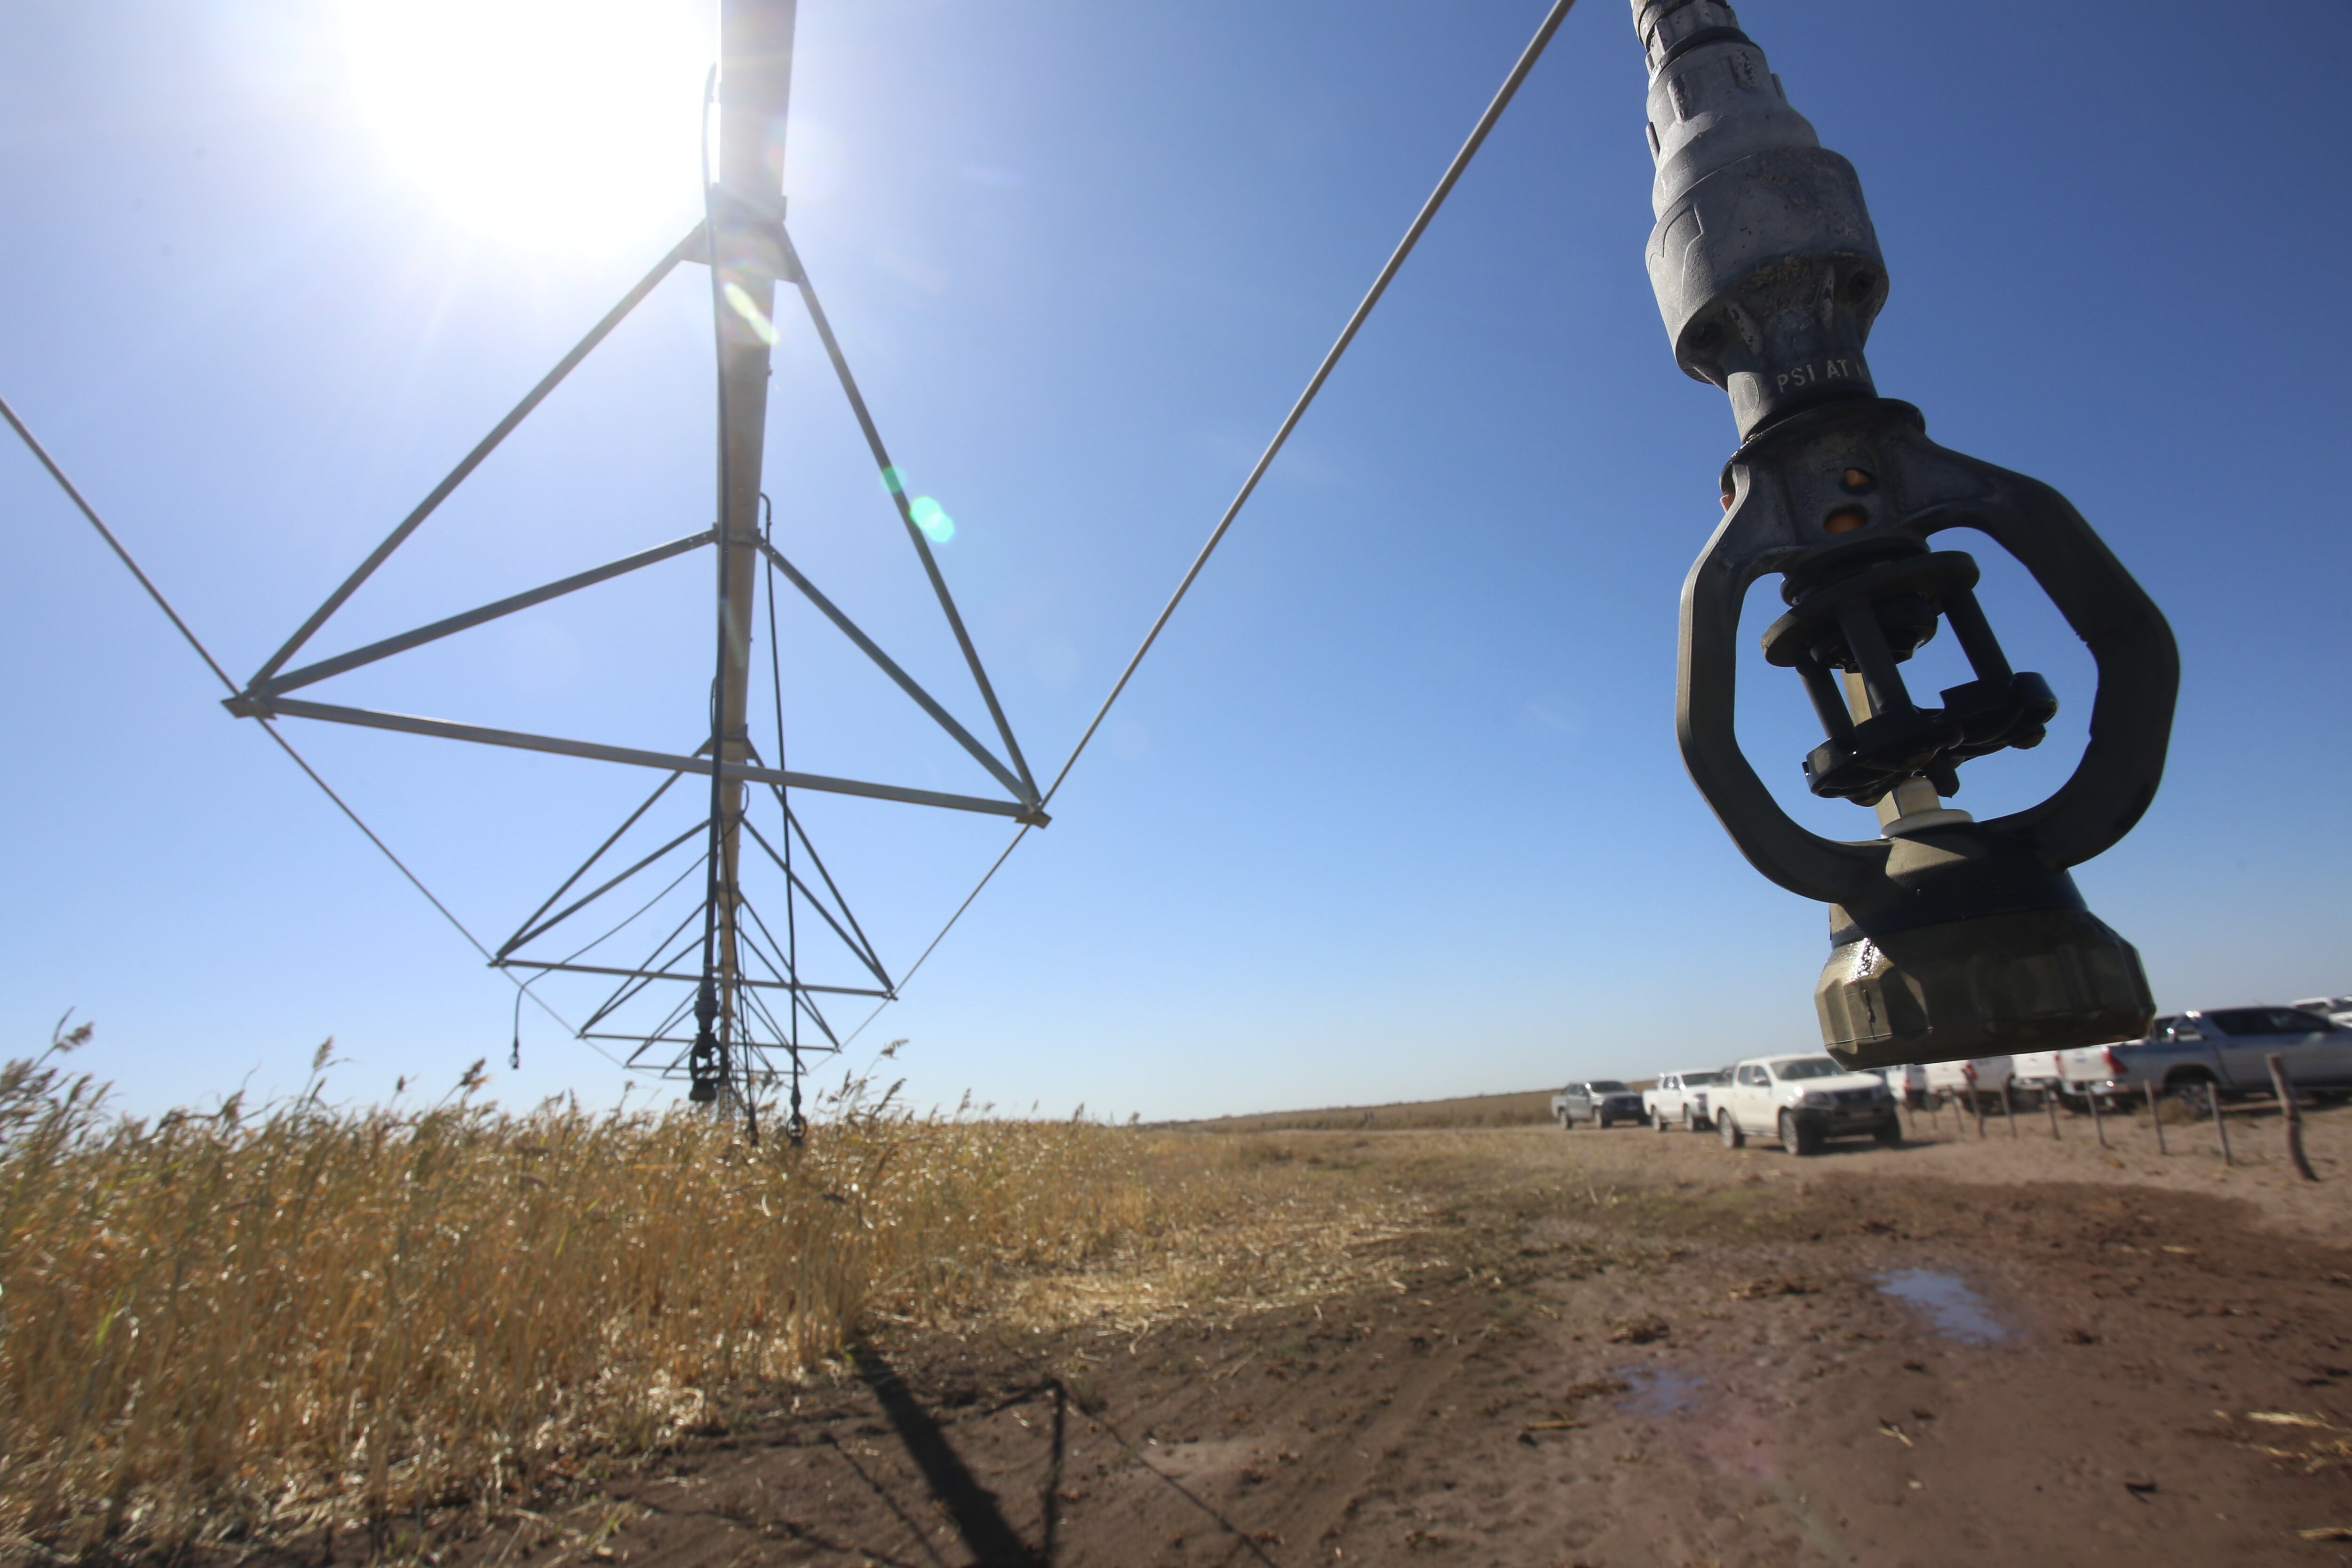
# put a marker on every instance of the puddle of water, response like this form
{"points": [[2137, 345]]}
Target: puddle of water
{"points": [[1658, 1391], [1955, 1311]]}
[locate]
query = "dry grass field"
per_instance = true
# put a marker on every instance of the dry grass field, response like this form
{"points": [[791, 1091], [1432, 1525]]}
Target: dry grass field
{"points": [[1531, 1108], [1523, 1346], [267, 1322], [454, 1335]]}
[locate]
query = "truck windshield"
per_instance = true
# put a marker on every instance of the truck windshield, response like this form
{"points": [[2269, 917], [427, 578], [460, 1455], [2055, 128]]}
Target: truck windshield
{"points": [[1807, 1066], [1701, 1080], [1607, 1086]]}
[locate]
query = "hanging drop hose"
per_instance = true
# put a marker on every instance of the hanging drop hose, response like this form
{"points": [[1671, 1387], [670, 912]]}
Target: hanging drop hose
{"points": [[796, 1124]]}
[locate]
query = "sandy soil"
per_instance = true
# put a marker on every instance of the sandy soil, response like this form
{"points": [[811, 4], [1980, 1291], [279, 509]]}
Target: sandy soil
{"points": [[1619, 1349]]}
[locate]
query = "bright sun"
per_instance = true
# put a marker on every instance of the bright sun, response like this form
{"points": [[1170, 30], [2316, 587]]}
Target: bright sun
{"points": [[566, 125]]}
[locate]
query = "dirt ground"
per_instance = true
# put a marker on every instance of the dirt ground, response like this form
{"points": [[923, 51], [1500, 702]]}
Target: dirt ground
{"points": [[1617, 1348]]}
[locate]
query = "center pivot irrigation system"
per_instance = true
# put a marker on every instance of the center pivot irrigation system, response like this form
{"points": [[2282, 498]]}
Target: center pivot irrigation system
{"points": [[725, 969], [1950, 938]]}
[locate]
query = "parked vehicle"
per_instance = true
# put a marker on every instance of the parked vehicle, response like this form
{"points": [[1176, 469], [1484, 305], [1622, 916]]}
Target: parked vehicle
{"points": [[2335, 1009], [1804, 1101], [1603, 1101], [1908, 1084], [1680, 1099], [2227, 1049], [2069, 1074], [1954, 1081]]}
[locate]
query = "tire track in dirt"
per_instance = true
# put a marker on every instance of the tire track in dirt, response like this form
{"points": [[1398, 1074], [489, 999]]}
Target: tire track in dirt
{"points": [[2173, 1384], [1378, 1443]]}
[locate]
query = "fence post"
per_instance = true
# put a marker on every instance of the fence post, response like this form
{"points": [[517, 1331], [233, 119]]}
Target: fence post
{"points": [[2098, 1121], [2284, 1089], [2221, 1128], [2155, 1118], [2050, 1103], [1975, 1108], [2009, 1107]]}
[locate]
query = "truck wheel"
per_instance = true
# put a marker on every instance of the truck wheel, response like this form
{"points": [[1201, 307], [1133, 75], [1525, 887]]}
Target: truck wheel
{"points": [[1567, 1122], [1658, 1119], [1690, 1123], [1797, 1136], [1729, 1131], [2195, 1090], [1889, 1133]]}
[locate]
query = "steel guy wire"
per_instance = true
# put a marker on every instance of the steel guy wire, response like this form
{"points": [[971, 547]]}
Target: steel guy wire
{"points": [[1510, 87], [33, 444], [1501, 100]]}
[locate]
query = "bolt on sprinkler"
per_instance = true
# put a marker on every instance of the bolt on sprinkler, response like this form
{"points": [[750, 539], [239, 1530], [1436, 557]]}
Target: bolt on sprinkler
{"points": [[1950, 938]]}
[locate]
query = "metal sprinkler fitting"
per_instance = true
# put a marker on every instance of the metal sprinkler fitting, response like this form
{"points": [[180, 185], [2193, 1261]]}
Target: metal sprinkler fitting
{"points": [[704, 1066], [1949, 938]]}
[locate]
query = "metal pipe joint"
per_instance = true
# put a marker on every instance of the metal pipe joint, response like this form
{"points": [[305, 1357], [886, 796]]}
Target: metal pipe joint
{"points": [[1764, 261]]}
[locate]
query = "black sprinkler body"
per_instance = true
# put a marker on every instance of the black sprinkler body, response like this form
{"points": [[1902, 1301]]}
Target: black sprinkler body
{"points": [[1950, 938]]}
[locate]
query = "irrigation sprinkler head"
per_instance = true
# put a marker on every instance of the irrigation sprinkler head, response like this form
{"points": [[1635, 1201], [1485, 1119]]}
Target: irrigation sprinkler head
{"points": [[1949, 938]]}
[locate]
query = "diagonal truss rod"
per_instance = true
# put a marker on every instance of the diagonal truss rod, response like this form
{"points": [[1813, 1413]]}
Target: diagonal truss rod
{"points": [[263, 691], [482, 449], [617, 927], [1022, 787], [680, 974], [863, 954], [468, 619], [670, 761], [585, 866], [604, 887], [906, 514], [803, 1000], [638, 979], [793, 819]]}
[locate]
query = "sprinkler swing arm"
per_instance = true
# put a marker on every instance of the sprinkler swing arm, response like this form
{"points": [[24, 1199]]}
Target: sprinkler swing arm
{"points": [[1950, 938]]}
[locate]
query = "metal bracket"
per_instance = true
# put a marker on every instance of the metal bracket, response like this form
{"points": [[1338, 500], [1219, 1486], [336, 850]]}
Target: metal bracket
{"points": [[1784, 485]]}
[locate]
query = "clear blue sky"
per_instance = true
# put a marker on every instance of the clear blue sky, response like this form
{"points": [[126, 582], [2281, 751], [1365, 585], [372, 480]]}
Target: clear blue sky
{"points": [[1395, 809]]}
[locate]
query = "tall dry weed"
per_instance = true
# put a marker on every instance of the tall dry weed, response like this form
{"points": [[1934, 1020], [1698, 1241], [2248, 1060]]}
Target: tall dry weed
{"points": [[249, 1322]]}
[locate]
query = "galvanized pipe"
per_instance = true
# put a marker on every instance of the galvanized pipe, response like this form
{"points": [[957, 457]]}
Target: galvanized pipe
{"points": [[755, 54]]}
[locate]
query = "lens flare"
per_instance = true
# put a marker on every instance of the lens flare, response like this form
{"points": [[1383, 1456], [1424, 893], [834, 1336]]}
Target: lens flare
{"points": [[750, 310], [937, 525]]}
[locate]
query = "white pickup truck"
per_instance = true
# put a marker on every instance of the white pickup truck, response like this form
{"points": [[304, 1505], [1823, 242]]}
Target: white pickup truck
{"points": [[2336, 1009], [1804, 1101], [2069, 1074], [1679, 1099], [1957, 1081]]}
